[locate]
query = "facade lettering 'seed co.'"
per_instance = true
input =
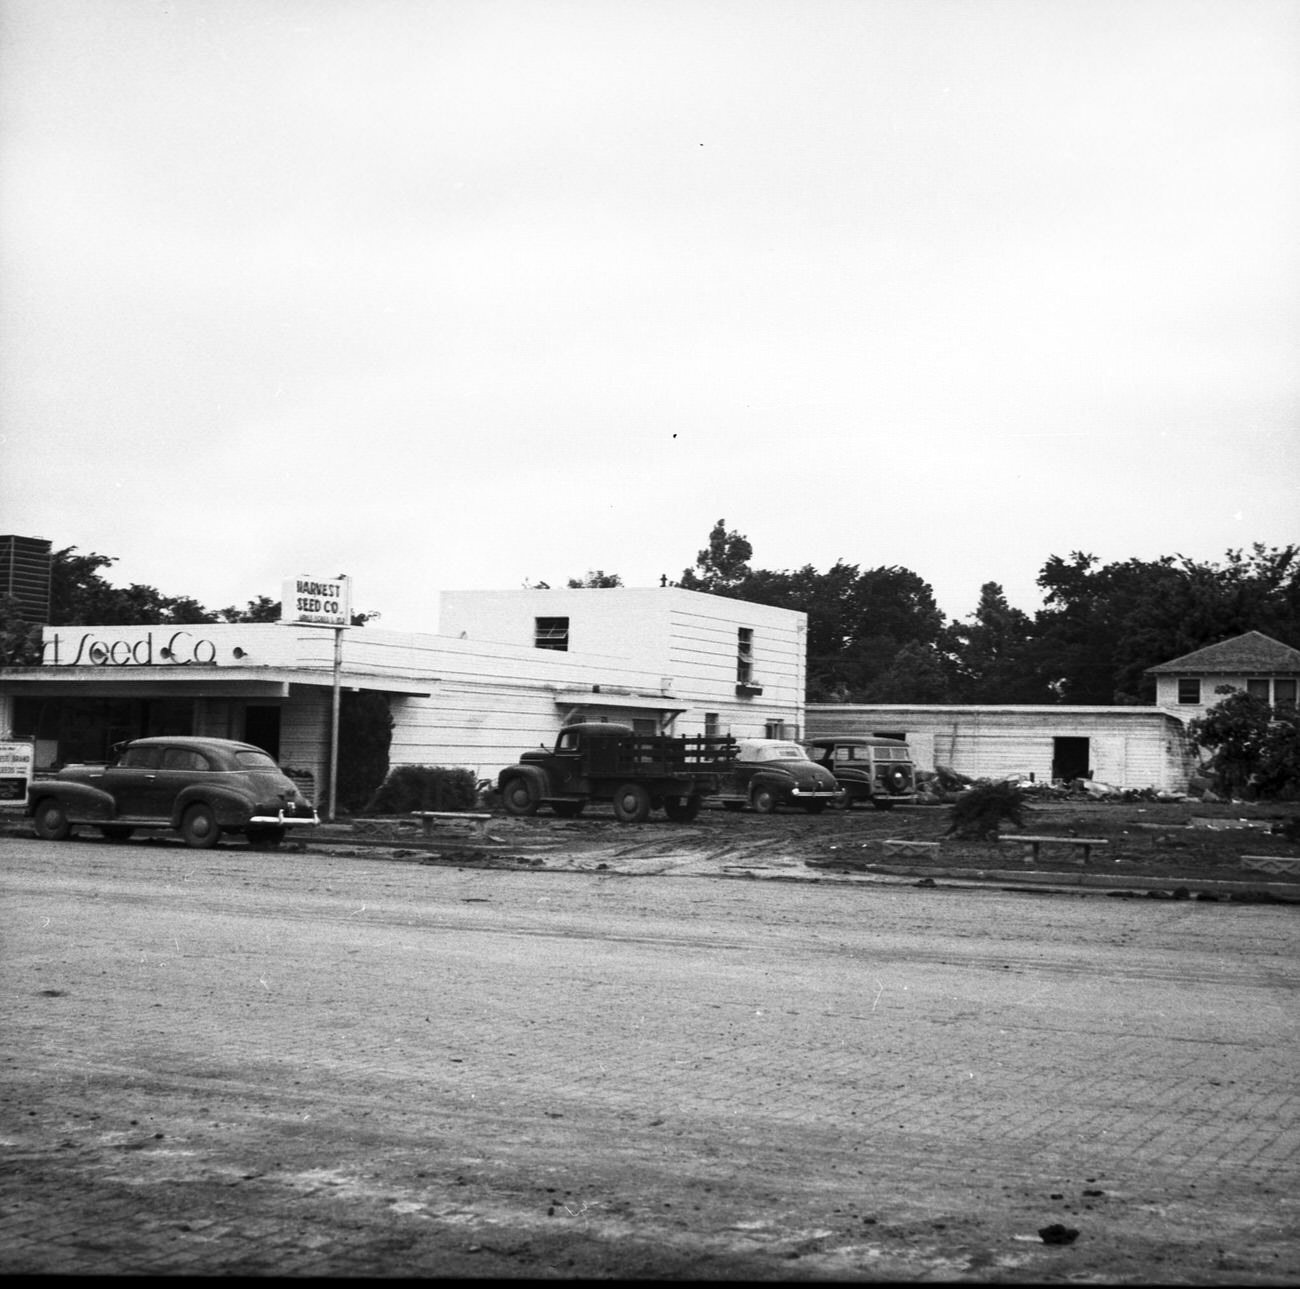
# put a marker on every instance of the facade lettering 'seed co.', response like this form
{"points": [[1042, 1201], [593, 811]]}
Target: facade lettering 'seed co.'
{"points": [[175, 648]]}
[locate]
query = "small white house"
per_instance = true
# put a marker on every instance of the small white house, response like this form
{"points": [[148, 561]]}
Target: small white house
{"points": [[1254, 662]]}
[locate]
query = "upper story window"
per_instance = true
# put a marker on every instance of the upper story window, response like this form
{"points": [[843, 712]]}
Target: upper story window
{"points": [[1189, 689], [744, 655], [551, 633], [1278, 692]]}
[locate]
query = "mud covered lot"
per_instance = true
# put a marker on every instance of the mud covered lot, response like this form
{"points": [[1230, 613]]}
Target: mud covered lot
{"points": [[579, 1049], [1174, 845]]}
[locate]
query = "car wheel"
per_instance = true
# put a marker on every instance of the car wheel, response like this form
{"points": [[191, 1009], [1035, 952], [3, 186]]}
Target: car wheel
{"points": [[682, 809], [842, 800], [631, 803], [519, 797], [763, 800], [50, 821], [199, 828], [117, 832], [266, 838]]}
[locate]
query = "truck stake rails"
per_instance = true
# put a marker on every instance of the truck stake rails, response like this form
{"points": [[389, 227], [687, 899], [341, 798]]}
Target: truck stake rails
{"points": [[604, 761]]}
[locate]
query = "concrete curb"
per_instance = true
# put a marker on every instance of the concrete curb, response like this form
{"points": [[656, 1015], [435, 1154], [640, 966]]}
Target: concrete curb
{"points": [[1288, 891]]}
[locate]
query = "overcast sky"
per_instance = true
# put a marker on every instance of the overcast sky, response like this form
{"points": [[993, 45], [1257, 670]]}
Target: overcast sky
{"points": [[450, 294]]}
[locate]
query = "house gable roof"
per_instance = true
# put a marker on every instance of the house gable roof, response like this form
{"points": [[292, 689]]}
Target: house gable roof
{"points": [[1253, 652]]}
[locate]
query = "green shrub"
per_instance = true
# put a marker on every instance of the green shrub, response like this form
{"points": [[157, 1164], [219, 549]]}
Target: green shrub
{"points": [[365, 733], [977, 813], [423, 787]]}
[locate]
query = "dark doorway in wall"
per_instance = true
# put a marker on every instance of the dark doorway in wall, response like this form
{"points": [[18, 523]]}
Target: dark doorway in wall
{"points": [[1070, 758], [262, 727]]}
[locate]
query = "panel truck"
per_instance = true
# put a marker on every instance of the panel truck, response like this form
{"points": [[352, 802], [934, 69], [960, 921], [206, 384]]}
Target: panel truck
{"points": [[608, 761]]}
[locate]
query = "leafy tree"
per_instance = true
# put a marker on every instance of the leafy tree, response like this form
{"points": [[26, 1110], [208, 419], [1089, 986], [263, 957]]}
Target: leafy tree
{"points": [[723, 565], [1102, 627], [262, 609], [994, 655], [915, 674], [1256, 747], [596, 577], [20, 640], [81, 596], [365, 736]]}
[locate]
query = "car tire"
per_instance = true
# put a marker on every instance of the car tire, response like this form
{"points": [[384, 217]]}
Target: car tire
{"points": [[199, 828], [842, 800], [682, 810], [50, 821], [117, 832], [763, 800], [266, 838], [519, 796], [631, 803]]}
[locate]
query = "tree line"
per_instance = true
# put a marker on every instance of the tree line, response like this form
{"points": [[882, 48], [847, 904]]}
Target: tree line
{"points": [[875, 635]]}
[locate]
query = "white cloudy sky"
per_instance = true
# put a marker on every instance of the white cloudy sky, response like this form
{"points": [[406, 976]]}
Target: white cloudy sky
{"points": [[461, 293]]}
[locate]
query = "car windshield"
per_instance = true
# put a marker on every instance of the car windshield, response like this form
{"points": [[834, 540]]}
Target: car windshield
{"points": [[247, 759]]}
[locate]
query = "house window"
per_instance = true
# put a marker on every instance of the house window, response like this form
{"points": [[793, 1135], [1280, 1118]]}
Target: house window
{"points": [[552, 633], [1258, 689], [744, 655], [774, 729], [712, 727], [1284, 693], [1189, 689]]}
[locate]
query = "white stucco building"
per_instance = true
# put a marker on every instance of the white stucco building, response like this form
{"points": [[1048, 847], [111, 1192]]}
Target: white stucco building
{"points": [[505, 671]]}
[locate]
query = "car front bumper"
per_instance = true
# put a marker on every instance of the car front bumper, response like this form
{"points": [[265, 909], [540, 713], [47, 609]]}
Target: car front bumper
{"points": [[281, 820]]}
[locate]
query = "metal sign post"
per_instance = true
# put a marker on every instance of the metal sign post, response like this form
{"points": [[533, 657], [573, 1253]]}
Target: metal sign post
{"points": [[323, 602], [334, 724]]}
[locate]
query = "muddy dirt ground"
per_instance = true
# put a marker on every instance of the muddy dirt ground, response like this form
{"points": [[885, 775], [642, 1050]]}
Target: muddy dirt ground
{"points": [[1166, 842]]}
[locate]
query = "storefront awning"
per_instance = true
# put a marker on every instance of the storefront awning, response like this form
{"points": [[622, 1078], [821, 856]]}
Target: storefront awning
{"points": [[193, 681], [627, 700]]}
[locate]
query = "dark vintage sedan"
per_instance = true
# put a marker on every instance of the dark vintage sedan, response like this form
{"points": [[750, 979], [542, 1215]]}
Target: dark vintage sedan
{"points": [[769, 772], [200, 787]]}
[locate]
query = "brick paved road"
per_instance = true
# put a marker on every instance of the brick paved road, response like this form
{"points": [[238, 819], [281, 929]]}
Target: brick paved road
{"points": [[226, 1062]]}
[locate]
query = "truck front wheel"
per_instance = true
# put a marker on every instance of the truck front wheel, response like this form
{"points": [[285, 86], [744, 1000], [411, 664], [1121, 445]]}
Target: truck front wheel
{"points": [[519, 797], [631, 803]]}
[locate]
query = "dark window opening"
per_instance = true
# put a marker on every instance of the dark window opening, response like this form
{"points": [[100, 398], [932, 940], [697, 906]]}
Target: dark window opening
{"points": [[744, 655], [1189, 689], [551, 633]]}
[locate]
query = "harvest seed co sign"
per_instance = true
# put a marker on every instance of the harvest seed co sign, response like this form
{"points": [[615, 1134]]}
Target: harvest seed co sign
{"points": [[319, 601]]}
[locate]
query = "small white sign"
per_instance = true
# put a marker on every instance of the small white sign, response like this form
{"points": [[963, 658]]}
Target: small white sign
{"points": [[16, 759], [317, 601]]}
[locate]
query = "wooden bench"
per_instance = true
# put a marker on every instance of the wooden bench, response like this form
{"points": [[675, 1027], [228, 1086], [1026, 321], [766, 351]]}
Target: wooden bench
{"points": [[1278, 865], [478, 823], [1033, 843]]}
